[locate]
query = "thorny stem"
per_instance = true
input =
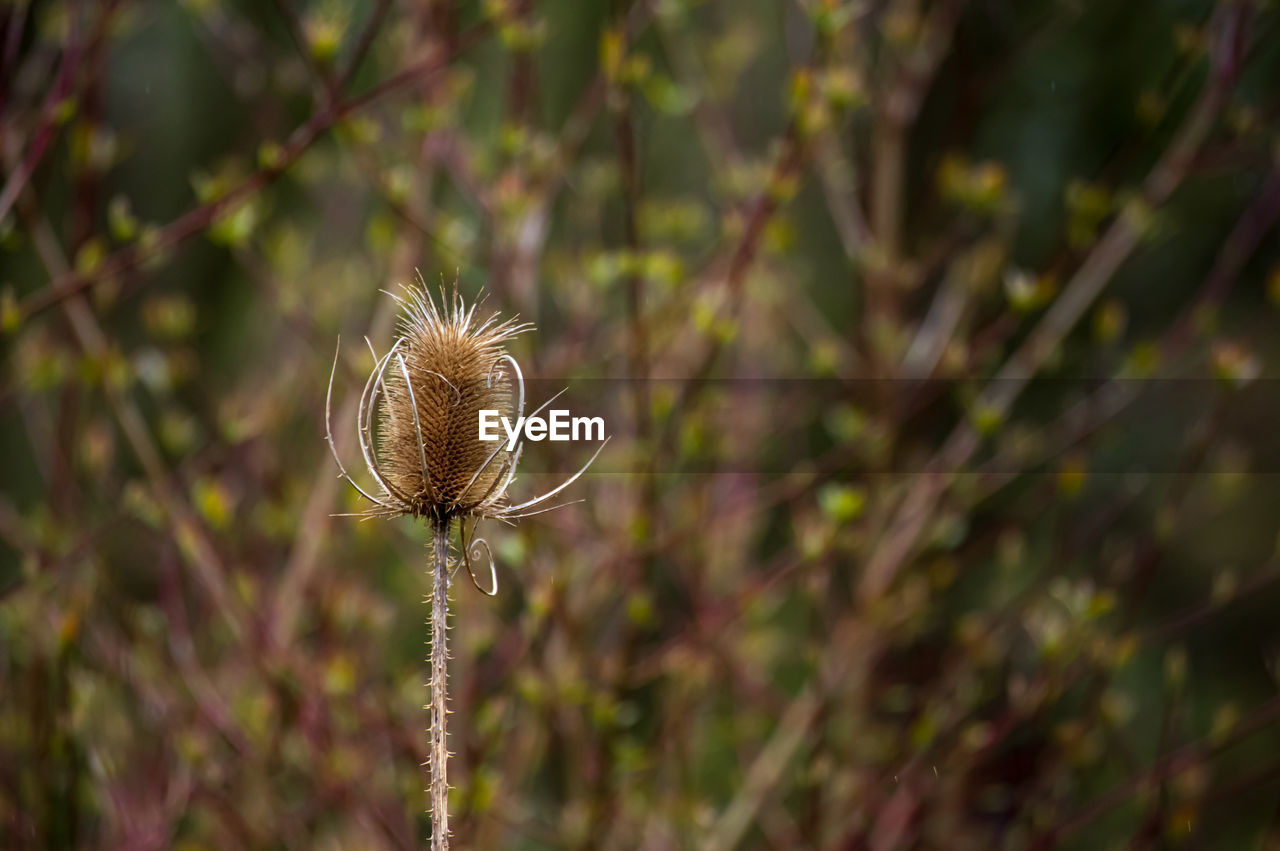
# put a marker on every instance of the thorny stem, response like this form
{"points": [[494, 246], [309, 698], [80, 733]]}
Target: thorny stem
{"points": [[439, 761]]}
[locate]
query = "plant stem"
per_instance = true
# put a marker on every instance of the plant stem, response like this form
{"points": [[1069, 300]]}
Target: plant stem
{"points": [[439, 676]]}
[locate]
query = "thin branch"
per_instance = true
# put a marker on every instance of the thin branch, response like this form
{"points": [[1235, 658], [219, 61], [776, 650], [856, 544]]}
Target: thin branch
{"points": [[363, 43], [765, 772], [1094, 274], [195, 545], [1180, 760], [1087, 416], [896, 113], [199, 218], [47, 130]]}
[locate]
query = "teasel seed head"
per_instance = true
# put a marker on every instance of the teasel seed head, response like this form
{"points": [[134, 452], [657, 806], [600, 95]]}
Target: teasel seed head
{"points": [[448, 368], [427, 393]]}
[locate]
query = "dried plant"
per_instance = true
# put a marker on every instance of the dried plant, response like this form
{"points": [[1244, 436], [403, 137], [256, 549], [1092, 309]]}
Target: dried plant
{"points": [[429, 462]]}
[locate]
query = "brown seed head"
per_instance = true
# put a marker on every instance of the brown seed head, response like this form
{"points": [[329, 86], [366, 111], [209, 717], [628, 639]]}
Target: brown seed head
{"points": [[452, 366], [428, 392]]}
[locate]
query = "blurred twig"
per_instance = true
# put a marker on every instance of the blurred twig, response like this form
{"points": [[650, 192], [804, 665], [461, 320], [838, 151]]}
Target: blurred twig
{"points": [[897, 108], [1176, 762], [50, 120], [1106, 403], [1093, 275], [196, 220], [188, 531]]}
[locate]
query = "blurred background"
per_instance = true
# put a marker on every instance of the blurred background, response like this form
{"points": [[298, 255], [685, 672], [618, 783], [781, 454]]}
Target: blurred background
{"points": [[938, 340]]}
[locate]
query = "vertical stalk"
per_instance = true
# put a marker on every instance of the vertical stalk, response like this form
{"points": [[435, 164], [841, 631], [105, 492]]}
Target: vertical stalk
{"points": [[439, 678]]}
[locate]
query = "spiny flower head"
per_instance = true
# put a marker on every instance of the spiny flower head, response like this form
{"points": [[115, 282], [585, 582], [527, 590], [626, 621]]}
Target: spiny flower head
{"points": [[427, 393], [448, 368]]}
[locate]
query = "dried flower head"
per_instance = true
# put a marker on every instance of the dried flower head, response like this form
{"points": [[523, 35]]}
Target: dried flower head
{"points": [[446, 372], [426, 393]]}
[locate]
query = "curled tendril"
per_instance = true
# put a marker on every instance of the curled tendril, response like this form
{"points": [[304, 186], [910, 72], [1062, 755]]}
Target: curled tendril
{"points": [[519, 378], [471, 549]]}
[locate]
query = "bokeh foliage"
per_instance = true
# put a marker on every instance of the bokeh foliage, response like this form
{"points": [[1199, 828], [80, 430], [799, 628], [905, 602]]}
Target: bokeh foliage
{"points": [[1017, 590]]}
